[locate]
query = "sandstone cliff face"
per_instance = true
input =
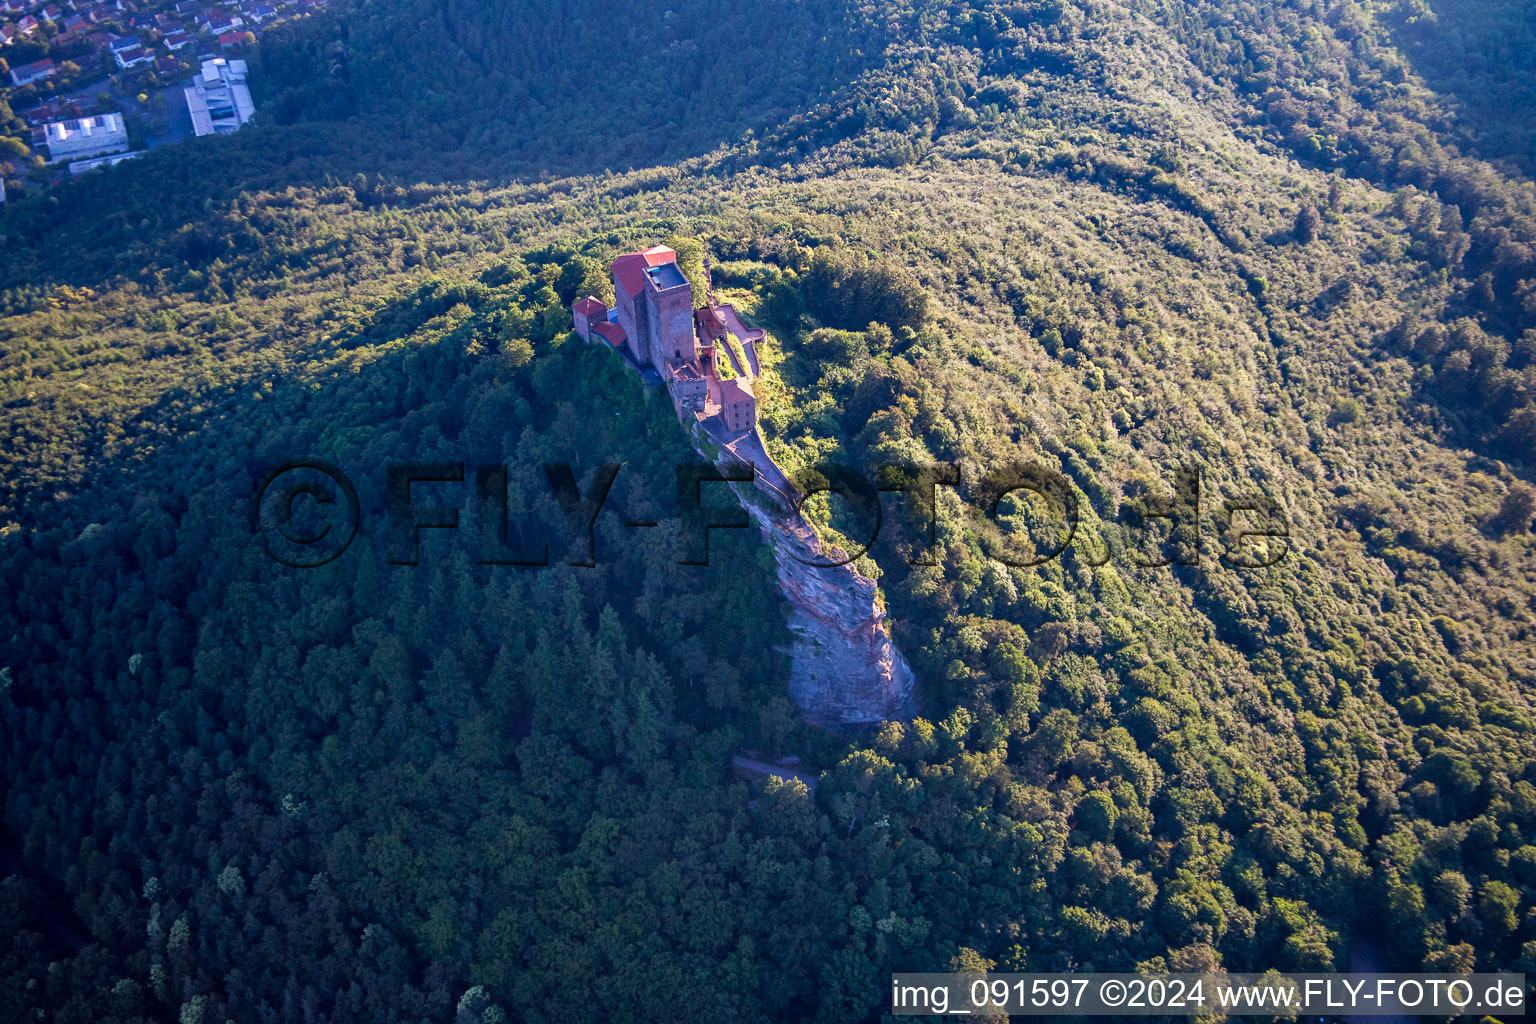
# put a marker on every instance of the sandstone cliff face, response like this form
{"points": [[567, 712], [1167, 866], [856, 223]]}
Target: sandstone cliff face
{"points": [[844, 668]]}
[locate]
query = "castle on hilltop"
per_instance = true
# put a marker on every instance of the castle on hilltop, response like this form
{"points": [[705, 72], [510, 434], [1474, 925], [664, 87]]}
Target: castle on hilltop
{"points": [[655, 325]]}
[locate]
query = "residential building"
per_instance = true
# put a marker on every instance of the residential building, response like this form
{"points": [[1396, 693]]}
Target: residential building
{"points": [[218, 98], [133, 57], [121, 43], [26, 25], [177, 41], [87, 137], [220, 22], [7, 35], [36, 72]]}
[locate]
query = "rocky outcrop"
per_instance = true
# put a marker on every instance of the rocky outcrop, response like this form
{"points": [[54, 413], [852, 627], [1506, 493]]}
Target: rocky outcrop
{"points": [[844, 668]]}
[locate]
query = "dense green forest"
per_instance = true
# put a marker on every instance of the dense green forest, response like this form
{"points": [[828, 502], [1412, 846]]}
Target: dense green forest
{"points": [[1293, 245]]}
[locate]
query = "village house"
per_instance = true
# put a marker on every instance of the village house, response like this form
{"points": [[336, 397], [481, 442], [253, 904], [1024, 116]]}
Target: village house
{"points": [[655, 325], [36, 72], [7, 35], [133, 57], [26, 25], [220, 22]]}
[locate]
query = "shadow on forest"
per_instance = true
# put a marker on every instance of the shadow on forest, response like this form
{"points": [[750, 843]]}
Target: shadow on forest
{"points": [[191, 676], [1480, 57]]}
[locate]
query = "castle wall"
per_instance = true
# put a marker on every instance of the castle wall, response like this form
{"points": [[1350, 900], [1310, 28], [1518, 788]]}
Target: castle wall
{"points": [[632, 318], [671, 324], [740, 415]]}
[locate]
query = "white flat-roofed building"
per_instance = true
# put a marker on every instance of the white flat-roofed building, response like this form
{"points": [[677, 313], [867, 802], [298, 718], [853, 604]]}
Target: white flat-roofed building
{"points": [[218, 98], [86, 137]]}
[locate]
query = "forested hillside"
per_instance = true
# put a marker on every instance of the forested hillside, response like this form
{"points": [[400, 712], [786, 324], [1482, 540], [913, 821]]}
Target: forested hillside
{"points": [[1288, 244]]}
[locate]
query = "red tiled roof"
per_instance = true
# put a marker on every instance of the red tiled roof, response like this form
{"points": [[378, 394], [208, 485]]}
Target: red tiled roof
{"points": [[735, 390], [590, 307], [613, 334], [629, 269]]}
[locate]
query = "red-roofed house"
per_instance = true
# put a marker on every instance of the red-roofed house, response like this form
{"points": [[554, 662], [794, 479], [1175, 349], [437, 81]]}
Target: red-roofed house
{"points": [[230, 40], [7, 35], [219, 22], [28, 73], [133, 57]]}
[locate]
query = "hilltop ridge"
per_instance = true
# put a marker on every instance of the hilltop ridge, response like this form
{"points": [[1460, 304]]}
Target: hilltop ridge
{"points": [[1281, 245]]}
